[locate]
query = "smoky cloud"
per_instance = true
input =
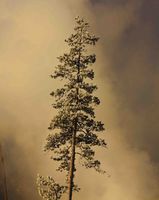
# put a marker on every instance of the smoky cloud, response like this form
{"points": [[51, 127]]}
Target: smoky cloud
{"points": [[31, 37], [132, 53], [130, 56]]}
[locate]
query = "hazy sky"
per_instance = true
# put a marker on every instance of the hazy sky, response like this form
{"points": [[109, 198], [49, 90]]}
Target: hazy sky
{"points": [[32, 34]]}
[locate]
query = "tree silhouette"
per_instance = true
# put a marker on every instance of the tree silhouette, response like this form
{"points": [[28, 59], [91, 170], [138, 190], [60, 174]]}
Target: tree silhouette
{"points": [[75, 129]]}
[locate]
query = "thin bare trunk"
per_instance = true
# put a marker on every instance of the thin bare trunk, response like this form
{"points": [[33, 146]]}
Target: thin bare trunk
{"points": [[72, 163], [4, 179]]}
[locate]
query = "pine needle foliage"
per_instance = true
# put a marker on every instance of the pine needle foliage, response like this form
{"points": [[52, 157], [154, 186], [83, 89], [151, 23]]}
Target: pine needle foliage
{"points": [[74, 130], [49, 189]]}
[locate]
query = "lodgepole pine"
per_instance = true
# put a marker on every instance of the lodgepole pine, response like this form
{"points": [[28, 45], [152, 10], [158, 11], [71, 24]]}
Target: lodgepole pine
{"points": [[75, 129]]}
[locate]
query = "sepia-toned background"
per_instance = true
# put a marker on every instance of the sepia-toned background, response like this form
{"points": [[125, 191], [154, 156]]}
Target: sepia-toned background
{"points": [[32, 34]]}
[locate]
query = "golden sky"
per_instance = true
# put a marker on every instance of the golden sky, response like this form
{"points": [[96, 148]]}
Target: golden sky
{"points": [[32, 34]]}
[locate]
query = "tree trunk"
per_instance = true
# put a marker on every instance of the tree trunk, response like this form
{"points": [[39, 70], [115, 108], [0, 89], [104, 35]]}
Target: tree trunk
{"points": [[3, 184], [72, 163]]}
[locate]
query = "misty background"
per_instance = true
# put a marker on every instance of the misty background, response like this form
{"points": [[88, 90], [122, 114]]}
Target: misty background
{"points": [[32, 35]]}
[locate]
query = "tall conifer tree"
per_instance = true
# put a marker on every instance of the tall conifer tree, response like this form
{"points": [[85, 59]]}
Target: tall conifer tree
{"points": [[75, 129]]}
